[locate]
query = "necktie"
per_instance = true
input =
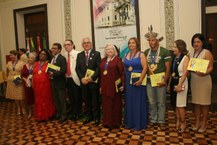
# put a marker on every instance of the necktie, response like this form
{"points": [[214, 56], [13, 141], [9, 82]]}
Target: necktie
{"points": [[68, 72], [54, 60], [86, 57]]}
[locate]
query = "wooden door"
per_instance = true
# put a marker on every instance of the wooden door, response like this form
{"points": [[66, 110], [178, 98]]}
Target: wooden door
{"points": [[211, 32], [36, 26]]}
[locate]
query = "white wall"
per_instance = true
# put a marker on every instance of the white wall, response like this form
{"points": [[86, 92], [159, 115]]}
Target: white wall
{"points": [[55, 22], [81, 21], [187, 20], [151, 13]]}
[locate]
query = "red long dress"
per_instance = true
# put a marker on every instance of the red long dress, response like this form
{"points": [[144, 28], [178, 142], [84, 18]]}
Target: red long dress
{"points": [[28, 91], [111, 100], [44, 104]]}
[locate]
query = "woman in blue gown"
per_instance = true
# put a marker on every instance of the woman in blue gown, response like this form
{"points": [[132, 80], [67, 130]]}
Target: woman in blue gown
{"points": [[136, 113]]}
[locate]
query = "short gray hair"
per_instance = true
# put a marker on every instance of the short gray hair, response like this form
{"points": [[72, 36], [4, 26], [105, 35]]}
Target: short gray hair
{"points": [[116, 53], [33, 54]]}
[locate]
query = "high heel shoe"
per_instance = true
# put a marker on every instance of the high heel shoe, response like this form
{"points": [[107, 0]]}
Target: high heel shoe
{"points": [[177, 125], [182, 129], [194, 128], [29, 116], [18, 113], [202, 130]]}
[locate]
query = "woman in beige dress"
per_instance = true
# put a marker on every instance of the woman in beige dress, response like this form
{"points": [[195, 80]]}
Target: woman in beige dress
{"points": [[15, 91], [201, 83]]}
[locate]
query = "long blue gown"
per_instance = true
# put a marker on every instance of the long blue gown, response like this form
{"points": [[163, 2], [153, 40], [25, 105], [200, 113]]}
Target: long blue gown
{"points": [[136, 113]]}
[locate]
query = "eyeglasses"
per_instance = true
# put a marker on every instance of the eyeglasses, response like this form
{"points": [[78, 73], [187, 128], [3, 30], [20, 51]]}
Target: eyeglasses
{"points": [[54, 48], [66, 44]]}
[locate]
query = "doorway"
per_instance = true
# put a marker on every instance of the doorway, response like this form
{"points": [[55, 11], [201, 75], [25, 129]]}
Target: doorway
{"points": [[209, 29], [31, 27]]}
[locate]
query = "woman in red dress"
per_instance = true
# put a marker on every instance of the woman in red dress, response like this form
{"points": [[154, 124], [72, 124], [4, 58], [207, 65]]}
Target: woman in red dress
{"points": [[26, 75], [111, 69], [44, 105]]}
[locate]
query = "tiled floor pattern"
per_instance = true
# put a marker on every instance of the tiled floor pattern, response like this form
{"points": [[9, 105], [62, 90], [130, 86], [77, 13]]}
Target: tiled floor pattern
{"points": [[20, 130]]}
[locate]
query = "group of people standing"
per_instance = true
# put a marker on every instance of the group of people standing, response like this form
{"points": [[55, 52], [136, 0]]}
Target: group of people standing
{"points": [[85, 77]]}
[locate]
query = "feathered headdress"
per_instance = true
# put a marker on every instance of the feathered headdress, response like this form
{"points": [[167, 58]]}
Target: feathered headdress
{"points": [[152, 34]]}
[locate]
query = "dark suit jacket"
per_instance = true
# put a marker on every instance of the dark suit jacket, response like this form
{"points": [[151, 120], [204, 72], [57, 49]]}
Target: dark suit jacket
{"points": [[59, 79], [93, 64]]}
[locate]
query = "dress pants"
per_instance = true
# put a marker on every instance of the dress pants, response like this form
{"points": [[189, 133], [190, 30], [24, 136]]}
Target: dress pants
{"points": [[59, 96], [92, 101], [75, 97]]}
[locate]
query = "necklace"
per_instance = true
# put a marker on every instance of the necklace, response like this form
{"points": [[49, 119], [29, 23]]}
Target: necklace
{"points": [[130, 68], [197, 54]]}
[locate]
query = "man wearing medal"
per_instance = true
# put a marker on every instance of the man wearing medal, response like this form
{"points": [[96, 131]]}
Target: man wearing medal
{"points": [[159, 61]]}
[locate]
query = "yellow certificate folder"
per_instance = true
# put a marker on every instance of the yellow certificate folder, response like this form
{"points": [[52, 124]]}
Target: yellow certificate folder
{"points": [[89, 73], [118, 84], [135, 77], [157, 78], [196, 64], [52, 68]]}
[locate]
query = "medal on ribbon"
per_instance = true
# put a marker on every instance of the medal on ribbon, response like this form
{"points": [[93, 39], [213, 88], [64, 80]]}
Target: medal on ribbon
{"points": [[130, 68], [40, 67], [105, 72], [152, 66]]}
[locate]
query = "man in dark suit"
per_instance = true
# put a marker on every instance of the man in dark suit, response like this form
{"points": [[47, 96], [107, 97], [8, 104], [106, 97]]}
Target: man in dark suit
{"points": [[58, 82], [89, 59]]}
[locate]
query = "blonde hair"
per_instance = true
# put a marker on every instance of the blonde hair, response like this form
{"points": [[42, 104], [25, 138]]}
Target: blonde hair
{"points": [[112, 46]]}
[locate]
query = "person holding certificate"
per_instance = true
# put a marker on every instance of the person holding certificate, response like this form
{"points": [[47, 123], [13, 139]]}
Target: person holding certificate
{"points": [[136, 111], [201, 83], [44, 105], [58, 82], [112, 69], [15, 91], [159, 63], [178, 85], [88, 61]]}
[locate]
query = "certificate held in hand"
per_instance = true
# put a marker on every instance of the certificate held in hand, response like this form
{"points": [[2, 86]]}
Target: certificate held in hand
{"points": [[196, 64], [118, 84], [52, 68], [135, 77], [90, 73], [17, 80], [157, 78]]}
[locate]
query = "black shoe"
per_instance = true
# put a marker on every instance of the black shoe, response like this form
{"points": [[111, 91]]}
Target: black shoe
{"points": [[63, 119], [97, 122], [73, 118], [87, 120], [55, 117]]}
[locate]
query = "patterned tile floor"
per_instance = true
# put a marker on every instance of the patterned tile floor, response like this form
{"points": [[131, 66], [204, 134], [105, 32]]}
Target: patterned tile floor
{"points": [[20, 130]]}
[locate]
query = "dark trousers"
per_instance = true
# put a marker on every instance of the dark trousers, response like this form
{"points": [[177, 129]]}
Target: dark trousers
{"points": [[59, 96], [75, 97], [91, 99]]}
